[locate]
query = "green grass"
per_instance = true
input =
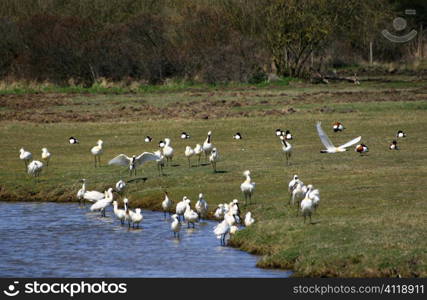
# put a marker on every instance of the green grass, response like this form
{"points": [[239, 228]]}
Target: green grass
{"points": [[371, 220]]}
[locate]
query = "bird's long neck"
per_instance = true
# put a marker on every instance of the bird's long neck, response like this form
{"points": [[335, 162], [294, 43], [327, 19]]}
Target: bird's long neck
{"points": [[208, 139], [248, 179], [284, 143]]}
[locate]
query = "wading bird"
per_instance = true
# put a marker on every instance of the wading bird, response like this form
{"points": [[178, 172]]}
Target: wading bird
{"points": [[298, 193], [167, 151], [91, 196], [160, 161], [97, 152], [361, 148], [120, 186], [330, 148], [101, 205], [73, 140], [175, 225], [190, 216], [287, 149], [35, 168], [136, 217], [188, 154], [247, 187], [207, 145], [201, 207], [219, 212], [167, 204], [181, 207], [393, 145], [25, 156], [198, 151], [119, 213], [307, 206], [221, 231], [134, 161], [248, 219], [214, 158], [314, 195], [46, 156], [292, 183]]}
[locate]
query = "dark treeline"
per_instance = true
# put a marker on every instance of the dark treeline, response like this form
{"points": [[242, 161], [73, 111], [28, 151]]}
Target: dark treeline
{"points": [[204, 40]]}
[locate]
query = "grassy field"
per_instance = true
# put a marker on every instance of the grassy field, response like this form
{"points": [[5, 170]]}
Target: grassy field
{"points": [[371, 220]]}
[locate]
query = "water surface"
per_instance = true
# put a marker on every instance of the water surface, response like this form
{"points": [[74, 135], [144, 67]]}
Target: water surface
{"points": [[65, 240]]}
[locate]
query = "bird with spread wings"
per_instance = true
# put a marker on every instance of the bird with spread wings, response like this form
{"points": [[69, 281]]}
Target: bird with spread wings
{"points": [[330, 148], [134, 161]]}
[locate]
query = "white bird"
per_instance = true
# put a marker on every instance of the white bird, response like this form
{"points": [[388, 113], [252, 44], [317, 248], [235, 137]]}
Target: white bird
{"points": [[198, 151], [160, 161], [120, 186], [102, 204], [279, 132], [168, 150], [25, 156], [237, 136], [46, 156], [167, 204], [136, 217], [298, 192], [188, 154], [307, 206], [35, 168], [287, 148], [181, 207], [247, 187], [119, 213], [184, 135], [214, 158], [219, 212], [248, 219], [235, 210], [201, 207], [175, 225], [221, 231], [73, 140], [330, 148], [97, 152], [207, 145], [314, 195], [400, 134], [292, 183], [190, 215], [127, 215], [134, 161], [91, 196], [148, 139]]}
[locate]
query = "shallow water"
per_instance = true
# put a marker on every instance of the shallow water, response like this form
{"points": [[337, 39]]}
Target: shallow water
{"points": [[65, 240]]}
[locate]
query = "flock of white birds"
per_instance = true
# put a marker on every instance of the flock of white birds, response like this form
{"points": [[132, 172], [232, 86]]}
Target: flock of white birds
{"points": [[227, 214]]}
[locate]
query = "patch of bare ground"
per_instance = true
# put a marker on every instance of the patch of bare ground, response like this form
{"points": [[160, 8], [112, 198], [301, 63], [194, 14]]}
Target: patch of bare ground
{"points": [[45, 108]]}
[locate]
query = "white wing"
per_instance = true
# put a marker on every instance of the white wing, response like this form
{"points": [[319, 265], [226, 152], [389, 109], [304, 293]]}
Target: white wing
{"points": [[93, 196], [144, 157], [120, 160], [352, 142], [324, 138]]}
